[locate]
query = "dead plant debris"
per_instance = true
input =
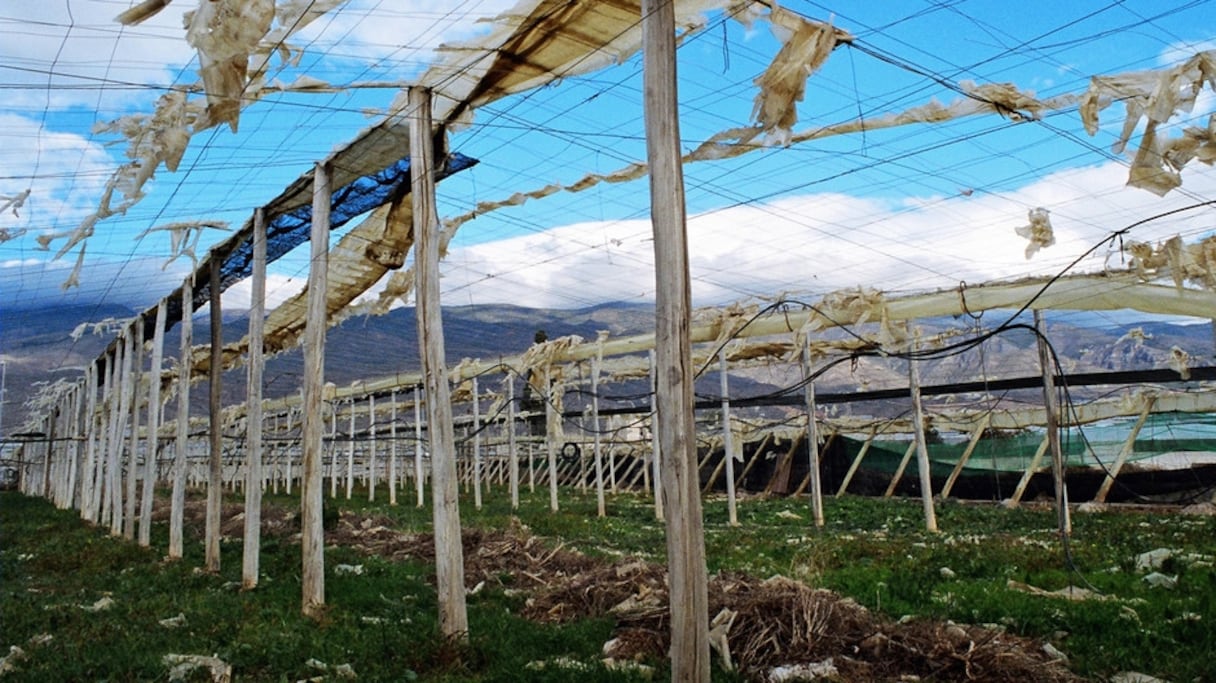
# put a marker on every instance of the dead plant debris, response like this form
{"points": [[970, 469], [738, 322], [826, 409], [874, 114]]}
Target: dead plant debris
{"points": [[762, 627]]}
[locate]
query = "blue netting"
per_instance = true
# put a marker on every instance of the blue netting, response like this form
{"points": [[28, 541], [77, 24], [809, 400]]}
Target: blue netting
{"points": [[288, 230]]}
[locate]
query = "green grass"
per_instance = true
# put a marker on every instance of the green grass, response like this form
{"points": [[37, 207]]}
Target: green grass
{"points": [[383, 623]]}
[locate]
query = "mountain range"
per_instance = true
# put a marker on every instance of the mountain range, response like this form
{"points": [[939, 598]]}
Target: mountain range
{"points": [[43, 349]]}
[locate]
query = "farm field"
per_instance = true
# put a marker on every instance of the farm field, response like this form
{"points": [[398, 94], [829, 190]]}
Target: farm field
{"points": [[548, 591]]}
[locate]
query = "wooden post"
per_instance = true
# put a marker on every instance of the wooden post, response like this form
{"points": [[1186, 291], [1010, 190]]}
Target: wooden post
{"points": [[158, 357], [371, 448], [551, 432], [899, 471], [687, 578], [1051, 406], [612, 458], [132, 469], [449, 555], [253, 411], [177, 507], [419, 476], [1030, 470], [812, 437], [1129, 446], [350, 452], [531, 470], [848, 477], [392, 449], [513, 454], [600, 506], [87, 475], [312, 538], [476, 447], [656, 446], [728, 441], [287, 455], [105, 422], [976, 435], [216, 454], [122, 410], [333, 447], [922, 449], [110, 417]]}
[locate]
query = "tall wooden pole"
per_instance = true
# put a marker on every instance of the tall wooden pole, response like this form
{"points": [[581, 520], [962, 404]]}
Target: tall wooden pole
{"points": [[312, 539], [371, 448], [1051, 406], [132, 469], [674, 391], [350, 452], [728, 445], [253, 410], [551, 432], [153, 440], [419, 474], [110, 422], [215, 489], [511, 446], [922, 449], [392, 450], [333, 448], [600, 506], [476, 448], [87, 477], [177, 506], [812, 437], [122, 410], [449, 555]]}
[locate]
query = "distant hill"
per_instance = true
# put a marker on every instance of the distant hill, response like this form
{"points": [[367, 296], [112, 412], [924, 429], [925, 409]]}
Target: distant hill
{"points": [[369, 347]]}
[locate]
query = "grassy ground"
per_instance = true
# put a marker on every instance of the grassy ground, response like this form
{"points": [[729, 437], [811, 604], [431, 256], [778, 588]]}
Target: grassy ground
{"points": [[382, 623]]}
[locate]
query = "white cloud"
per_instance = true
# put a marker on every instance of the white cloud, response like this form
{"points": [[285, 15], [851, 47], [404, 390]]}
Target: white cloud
{"points": [[64, 172], [399, 33], [74, 47], [813, 244]]}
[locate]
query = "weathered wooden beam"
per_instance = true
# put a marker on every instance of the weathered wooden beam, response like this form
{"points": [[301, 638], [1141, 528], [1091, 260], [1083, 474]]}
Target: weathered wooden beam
{"points": [[812, 436], [1033, 467], [511, 446], [1129, 447], [477, 464], [922, 448], [132, 469], [756, 456], [600, 505], [728, 442], [552, 425], [687, 577], [1051, 406], [215, 412], [253, 400], [371, 448], [779, 482], [153, 437], [976, 435], [312, 537], [899, 471], [177, 505], [449, 555], [392, 449]]}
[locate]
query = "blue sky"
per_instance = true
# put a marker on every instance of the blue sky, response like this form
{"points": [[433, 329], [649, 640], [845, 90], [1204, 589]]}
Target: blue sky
{"points": [[911, 208]]}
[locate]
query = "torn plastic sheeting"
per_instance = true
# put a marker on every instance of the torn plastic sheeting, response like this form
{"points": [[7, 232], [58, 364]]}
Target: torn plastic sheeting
{"points": [[288, 230]]}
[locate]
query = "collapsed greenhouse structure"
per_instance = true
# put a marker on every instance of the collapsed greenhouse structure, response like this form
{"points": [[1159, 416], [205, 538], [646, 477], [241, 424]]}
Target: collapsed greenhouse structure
{"points": [[614, 413]]}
